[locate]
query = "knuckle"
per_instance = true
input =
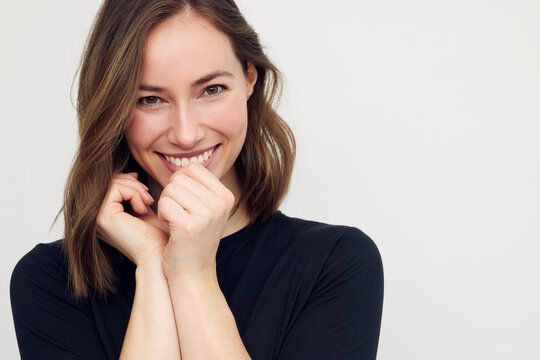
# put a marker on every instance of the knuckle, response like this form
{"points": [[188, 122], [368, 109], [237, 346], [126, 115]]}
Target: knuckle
{"points": [[167, 190], [230, 197], [173, 176], [163, 206], [196, 166], [189, 169], [220, 205], [206, 212], [177, 177], [190, 228], [127, 176], [163, 200], [101, 219]]}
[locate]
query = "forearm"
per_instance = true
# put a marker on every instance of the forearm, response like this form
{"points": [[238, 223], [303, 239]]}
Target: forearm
{"points": [[151, 332], [205, 323]]}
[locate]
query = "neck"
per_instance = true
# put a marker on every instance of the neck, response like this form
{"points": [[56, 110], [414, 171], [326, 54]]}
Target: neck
{"points": [[237, 221]]}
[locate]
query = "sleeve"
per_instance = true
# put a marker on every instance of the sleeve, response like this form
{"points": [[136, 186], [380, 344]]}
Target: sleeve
{"points": [[342, 317], [49, 324]]}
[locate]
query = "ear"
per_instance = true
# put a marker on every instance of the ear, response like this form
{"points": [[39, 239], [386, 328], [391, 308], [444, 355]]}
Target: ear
{"points": [[251, 77]]}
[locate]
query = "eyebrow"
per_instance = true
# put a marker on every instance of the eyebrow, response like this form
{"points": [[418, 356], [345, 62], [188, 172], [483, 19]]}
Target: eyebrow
{"points": [[211, 77], [198, 82]]}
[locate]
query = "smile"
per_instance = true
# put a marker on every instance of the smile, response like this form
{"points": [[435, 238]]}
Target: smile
{"points": [[185, 160]]}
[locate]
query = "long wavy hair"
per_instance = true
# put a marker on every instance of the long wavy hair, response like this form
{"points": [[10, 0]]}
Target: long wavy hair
{"points": [[108, 85]]}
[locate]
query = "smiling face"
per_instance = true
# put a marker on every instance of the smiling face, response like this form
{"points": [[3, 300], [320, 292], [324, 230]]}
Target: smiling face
{"points": [[192, 102]]}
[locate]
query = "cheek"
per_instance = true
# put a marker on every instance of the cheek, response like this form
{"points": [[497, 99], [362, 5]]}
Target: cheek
{"points": [[141, 134], [230, 119]]}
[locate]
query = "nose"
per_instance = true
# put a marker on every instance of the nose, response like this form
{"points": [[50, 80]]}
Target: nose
{"points": [[184, 129]]}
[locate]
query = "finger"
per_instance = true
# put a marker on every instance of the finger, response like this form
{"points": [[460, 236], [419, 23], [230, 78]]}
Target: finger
{"points": [[183, 197], [140, 187], [120, 192], [170, 211], [202, 175], [153, 219], [133, 176], [192, 185]]}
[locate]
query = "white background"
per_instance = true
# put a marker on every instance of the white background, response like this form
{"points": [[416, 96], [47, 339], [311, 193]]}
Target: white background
{"points": [[416, 121]]}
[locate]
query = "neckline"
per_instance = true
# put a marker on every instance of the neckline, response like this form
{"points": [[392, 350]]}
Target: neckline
{"points": [[251, 227], [226, 241]]}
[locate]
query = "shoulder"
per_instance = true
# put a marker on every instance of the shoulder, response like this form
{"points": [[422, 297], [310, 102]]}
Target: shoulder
{"points": [[338, 278], [342, 259], [41, 258], [49, 322], [340, 241], [42, 269], [326, 252]]}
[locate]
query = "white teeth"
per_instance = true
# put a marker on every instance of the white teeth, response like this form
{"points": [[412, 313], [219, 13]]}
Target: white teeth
{"points": [[184, 162]]}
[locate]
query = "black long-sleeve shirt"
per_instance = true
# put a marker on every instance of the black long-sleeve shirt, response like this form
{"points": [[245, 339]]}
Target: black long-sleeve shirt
{"points": [[299, 290]]}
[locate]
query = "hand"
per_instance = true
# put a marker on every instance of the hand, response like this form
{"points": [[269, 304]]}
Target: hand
{"points": [[138, 237], [196, 207]]}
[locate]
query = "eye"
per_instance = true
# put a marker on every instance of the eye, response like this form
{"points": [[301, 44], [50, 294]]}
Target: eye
{"points": [[214, 90], [149, 101]]}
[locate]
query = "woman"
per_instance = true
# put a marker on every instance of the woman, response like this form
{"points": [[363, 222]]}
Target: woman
{"points": [[174, 247]]}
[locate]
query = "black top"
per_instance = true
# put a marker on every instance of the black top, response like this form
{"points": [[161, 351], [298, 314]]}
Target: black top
{"points": [[298, 290]]}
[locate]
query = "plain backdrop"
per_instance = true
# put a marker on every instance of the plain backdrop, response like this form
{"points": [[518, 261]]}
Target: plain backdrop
{"points": [[416, 121]]}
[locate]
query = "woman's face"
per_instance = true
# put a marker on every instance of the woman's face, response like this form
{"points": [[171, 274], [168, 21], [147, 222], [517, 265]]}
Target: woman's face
{"points": [[192, 102]]}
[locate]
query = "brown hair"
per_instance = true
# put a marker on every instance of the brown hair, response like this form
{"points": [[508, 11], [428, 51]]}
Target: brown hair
{"points": [[108, 86]]}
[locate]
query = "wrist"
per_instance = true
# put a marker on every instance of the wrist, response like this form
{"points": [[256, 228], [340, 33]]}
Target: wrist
{"points": [[192, 279], [148, 262]]}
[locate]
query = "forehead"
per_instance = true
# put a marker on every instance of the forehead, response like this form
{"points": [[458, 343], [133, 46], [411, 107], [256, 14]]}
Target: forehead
{"points": [[186, 46]]}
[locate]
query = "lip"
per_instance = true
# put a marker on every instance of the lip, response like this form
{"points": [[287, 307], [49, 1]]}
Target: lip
{"points": [[174, 168], [191, 154]]}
